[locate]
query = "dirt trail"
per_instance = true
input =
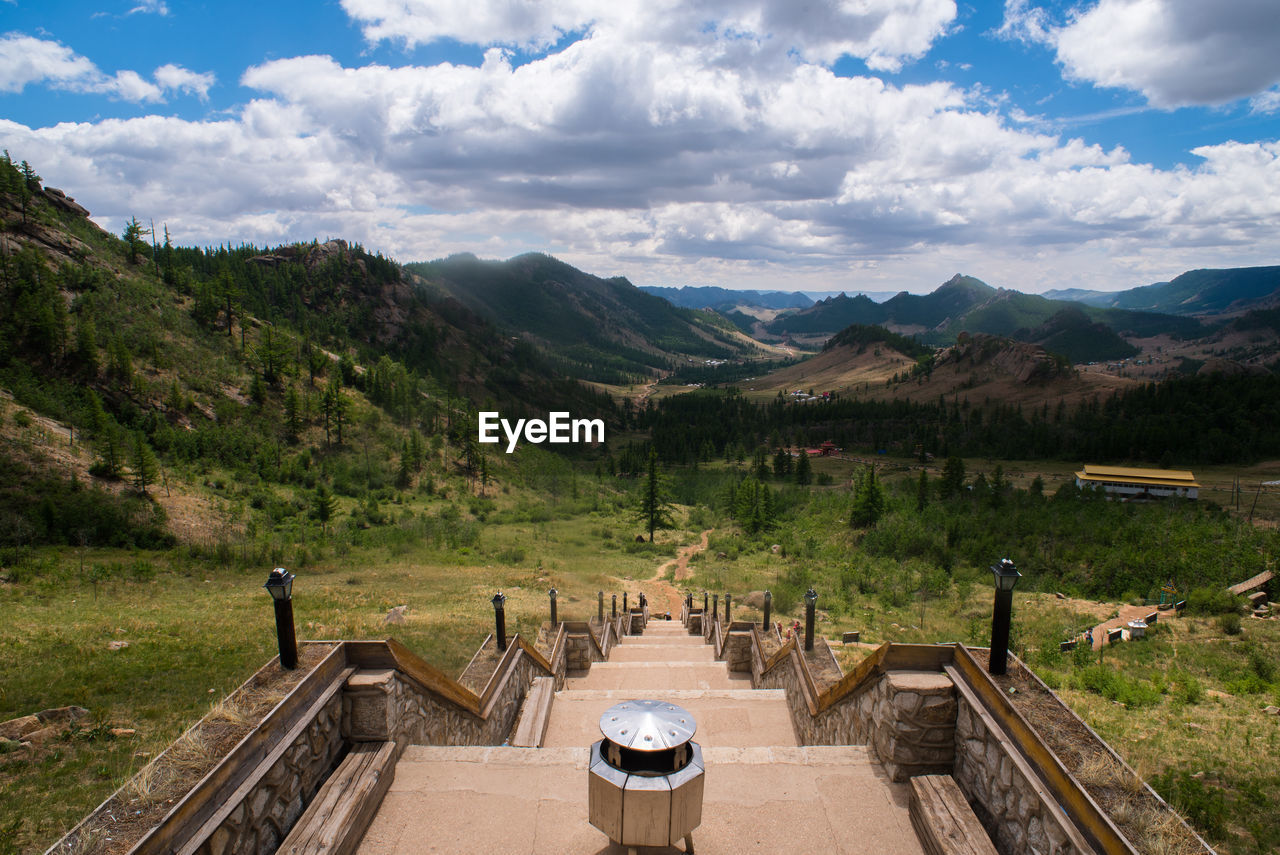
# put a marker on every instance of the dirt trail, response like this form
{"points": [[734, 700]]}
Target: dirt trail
{"points": [[663, 595]]}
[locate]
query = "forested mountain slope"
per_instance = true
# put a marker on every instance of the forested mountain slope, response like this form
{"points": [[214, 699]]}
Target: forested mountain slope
{"points": [[598, 329], [298, 371]]}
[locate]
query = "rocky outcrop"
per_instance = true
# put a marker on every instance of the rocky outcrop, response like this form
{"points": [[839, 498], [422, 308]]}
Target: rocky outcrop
{"points": [[64, 202], [1025, 363], [1230, 368]]}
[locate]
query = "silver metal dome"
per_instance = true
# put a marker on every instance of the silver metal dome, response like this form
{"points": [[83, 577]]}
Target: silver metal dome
{"points": [[646, 725]]}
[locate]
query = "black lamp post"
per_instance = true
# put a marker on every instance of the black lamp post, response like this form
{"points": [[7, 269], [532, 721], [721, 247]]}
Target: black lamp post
{"points": [[613, 607], [810, 603], [715, 607], [704, 602], [552, 594], [625, 610], [768, 607], [728, 601], [280, 586], [600, 607], [688, 602], [500, 618], [1006, 577]]}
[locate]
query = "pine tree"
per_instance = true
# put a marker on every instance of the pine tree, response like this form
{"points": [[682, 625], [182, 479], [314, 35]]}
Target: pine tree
{"points": [[108, 464], [952, 478], [415, 450], [86, 351], [133, 233], [404, 475], [868, 502], [166, 252], [339, 408], [922, 491], [782, 464], [760, 463], [752, 506], [323, 506], [257, 390], [334, 406], [654, 508], [27, 187], [120, 366], [143, 464], [292, 417], [804, 469]]}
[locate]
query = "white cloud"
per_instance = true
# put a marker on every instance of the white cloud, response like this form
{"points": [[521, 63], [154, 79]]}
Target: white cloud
{"points": [[24, 60], [1266, 102], [670, 163], [150, 7], [884, 33], [1175, 52], [175, 78], [27, 60]]}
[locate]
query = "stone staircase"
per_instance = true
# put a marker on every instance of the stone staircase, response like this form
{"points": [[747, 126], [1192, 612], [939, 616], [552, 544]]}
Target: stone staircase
{"points": [[764, 792]]}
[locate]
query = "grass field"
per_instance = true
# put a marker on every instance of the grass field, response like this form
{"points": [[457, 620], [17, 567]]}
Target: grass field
{"points": [[197, 624]]}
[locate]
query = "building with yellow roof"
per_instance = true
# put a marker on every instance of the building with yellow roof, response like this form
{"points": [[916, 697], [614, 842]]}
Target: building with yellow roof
{"points": [[1128, 483]]}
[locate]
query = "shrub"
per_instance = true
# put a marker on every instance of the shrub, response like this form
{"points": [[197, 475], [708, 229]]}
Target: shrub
{"points": [[1113, 685], [1212, 601], [1229, 623], [1189, 690], [1204, 807]]}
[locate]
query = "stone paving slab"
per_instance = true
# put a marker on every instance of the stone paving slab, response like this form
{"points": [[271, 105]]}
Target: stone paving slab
{"points": [[649, 676], [534, 801], [630, 652], [746, 717]]}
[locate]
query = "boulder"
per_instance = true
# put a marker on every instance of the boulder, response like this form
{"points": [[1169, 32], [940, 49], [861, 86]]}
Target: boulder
{"points": [[62, 715], [17, 727]]}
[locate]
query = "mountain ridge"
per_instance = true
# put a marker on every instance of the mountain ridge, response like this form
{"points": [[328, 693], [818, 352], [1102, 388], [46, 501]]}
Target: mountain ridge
{"points": [[599, 329]]}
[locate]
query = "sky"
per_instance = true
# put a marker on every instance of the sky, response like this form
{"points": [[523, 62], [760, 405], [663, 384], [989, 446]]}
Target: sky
{"points": [[876, 145]]}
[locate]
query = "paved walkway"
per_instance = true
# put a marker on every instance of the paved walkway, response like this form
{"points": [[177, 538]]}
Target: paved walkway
{"points": [[764, 793]]}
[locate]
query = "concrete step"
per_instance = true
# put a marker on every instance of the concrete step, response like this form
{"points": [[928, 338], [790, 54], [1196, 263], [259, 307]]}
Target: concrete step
{"points": [[812, 799], [666, 627], [725, 717], [641, 676], [630, 651]]}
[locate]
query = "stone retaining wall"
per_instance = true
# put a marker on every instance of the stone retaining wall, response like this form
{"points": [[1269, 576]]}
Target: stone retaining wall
{"points": [[386, 705], [907, 717], [912, 718], [271, 808], [1007, 804], [579, 652], [737, 652]]}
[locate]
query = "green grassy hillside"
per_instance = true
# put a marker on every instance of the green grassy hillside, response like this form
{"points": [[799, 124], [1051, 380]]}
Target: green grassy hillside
{"points": [[605, 330]]}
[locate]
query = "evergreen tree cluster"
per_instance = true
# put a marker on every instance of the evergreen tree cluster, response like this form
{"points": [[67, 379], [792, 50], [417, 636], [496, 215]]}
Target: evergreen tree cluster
{"points": [[1188, 420]]}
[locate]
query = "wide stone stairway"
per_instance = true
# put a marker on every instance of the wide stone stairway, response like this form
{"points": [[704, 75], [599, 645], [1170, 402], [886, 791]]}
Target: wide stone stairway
{"points": [[764, 793]]}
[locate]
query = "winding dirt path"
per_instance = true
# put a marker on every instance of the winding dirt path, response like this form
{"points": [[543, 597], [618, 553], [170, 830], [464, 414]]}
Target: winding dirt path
{"points": [[666, 596]]}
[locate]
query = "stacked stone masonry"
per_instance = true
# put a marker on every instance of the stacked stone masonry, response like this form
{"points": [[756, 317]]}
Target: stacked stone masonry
{"points": [[737, 651], [907, 717], [913, 723], [1006, 804], [580, 652], [386, 706], [261, 821]]}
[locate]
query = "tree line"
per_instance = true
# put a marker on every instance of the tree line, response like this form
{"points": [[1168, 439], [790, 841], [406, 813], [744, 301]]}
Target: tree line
{"points": [[1182, 421]]}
